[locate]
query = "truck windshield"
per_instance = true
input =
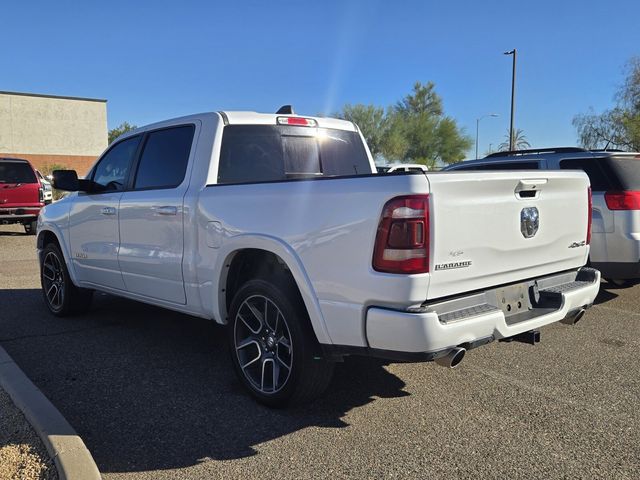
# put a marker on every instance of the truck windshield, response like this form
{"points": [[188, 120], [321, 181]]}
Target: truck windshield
{"points": [[16, 172], [262, 153]]}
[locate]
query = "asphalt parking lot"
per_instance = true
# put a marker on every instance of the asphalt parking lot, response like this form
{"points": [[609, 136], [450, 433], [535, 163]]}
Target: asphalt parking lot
{"points": [[152, 394]]}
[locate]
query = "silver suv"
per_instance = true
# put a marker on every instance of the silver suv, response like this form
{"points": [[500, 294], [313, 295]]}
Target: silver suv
{"points": [[615, 185]]}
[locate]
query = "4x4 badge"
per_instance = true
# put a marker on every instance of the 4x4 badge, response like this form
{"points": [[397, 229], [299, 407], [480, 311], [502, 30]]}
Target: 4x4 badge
{"points": [[529, 221]]}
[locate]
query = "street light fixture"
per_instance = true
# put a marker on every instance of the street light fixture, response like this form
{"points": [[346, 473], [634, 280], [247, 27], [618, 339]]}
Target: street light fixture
{"points": [[513, 96], [478, 127]]}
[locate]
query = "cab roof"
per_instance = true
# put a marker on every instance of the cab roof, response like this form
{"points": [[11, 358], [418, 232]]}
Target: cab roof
{"points": [[14, 160], [255, 118], [244, 118]]}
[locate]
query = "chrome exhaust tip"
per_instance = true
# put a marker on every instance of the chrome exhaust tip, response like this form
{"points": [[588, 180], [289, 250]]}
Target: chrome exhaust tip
{"points": [[574, 317], [452, 359]]}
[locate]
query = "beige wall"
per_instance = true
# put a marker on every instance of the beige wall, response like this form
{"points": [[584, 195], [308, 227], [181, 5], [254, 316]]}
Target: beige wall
{"points": [[41, 125]]}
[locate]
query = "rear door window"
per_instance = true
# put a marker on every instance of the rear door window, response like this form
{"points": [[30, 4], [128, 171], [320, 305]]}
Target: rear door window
{"points": [[17, 172], [164, 158], [511, 166], [261, 153], [502, 166]]}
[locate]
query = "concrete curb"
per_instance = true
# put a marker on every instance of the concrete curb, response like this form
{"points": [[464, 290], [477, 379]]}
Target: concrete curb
{"points": [[68, 451]]}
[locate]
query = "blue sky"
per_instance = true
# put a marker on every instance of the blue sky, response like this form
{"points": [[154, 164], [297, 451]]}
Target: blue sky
{"points": [[156, 60]]}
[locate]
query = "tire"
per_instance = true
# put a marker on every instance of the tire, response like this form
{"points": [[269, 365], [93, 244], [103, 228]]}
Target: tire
{"points": [[276, 354], [620, 283], [31, 227], [60, 295]]}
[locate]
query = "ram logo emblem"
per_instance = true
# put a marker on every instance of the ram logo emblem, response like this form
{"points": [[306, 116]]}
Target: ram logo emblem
{"points": [[529, 221]]}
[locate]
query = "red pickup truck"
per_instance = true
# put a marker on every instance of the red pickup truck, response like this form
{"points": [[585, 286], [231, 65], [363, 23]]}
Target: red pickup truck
{"points": [[21, 194]]}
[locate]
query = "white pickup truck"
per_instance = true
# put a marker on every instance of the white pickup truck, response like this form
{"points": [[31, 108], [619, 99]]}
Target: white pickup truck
{"points": [[277, 226]]}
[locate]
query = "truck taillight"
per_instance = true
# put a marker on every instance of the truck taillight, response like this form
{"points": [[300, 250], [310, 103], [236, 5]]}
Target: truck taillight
{"points": [[41, 195], [625, 200], [402, 240], [590, 215]]}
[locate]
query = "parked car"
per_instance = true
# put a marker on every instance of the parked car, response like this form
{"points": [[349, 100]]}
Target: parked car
{"points": [[402, 167], [21, 194], [47, 188], [279, 227], [615, 184]]}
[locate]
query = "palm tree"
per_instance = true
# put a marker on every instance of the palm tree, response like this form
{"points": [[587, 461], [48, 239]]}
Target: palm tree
{"points": [[520, 141]]}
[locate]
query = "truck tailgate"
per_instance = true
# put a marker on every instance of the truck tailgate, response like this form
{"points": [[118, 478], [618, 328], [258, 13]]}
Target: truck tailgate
{"points": [[484, 230], [19, 195]]}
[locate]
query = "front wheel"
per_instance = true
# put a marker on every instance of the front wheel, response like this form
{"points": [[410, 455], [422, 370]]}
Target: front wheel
{"points": [[273, 348], [61, 296]]}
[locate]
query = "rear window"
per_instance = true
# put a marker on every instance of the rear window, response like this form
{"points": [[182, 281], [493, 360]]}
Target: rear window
{"points": [[597, 169], [262, 153], [627, 171], [16, 172]]}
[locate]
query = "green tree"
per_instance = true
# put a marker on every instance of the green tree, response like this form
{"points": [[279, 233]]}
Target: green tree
{"points": [[414, 130], [424, 100], [48, 168], [618, 127], [395, 143], [119, 130], [430, 136], [520, 141], [372, 123]]}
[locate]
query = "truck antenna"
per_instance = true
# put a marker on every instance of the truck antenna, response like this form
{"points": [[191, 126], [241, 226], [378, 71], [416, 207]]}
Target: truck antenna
{"points": [[286, 110]]}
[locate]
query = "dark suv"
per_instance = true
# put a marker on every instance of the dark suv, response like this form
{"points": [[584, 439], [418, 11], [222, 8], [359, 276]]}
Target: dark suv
{"points": [[21, 194]]}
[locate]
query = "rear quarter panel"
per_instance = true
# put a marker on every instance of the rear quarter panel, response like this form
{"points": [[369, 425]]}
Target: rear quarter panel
{"points": [[329, 226]]}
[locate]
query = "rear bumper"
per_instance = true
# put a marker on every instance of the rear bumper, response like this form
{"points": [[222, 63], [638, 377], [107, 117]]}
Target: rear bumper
{"points": [[19, 214], [21, 217], [11, 212], [478, 318]]}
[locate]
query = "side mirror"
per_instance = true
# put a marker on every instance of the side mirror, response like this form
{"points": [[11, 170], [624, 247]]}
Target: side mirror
{"points": [[66, 180]]}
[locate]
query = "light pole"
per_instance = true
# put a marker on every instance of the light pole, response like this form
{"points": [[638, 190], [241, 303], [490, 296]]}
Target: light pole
{"points": [[478, 128], [513, 96]]}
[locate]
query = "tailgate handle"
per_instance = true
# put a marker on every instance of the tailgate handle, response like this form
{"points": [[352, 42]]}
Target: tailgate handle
{"points": [[530, 188]]}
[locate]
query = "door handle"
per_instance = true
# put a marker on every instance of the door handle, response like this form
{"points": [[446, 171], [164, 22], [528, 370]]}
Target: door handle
{"points": [[108, 211], [166, 210]]}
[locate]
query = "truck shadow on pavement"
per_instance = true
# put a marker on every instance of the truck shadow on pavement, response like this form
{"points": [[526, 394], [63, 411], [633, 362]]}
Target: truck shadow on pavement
{"points": [[5, 233], [605, 294], [151, 389]]}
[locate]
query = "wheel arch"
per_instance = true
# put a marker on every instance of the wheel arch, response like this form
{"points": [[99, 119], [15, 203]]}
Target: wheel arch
{"points": [[246, 247], [47, 235]]}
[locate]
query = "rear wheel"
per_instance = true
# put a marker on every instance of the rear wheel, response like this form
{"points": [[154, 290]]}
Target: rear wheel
{"points": [[273, 348], [31, 227], [620, 283], [60, 294]]}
